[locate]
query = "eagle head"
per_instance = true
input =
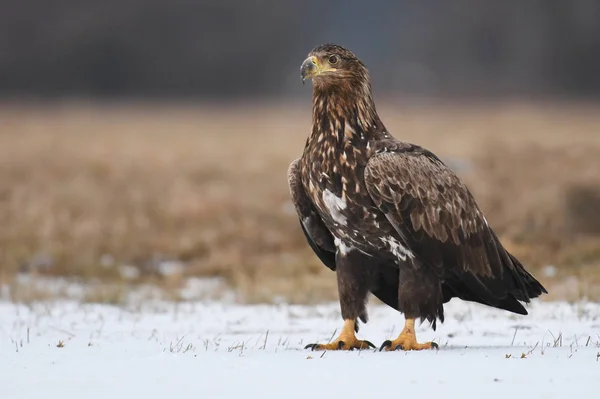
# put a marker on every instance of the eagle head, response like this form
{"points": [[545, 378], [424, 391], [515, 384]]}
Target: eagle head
{"points": [[330, 65]]}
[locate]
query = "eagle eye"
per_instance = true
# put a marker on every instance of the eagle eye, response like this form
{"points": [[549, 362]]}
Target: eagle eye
{"points": [[333, 59]]}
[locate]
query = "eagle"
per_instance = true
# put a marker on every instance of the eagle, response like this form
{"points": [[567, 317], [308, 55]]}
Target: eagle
{"points": [[389, 217]]}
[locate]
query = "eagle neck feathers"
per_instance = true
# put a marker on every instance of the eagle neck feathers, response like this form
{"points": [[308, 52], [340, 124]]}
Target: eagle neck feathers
{"points": [[345, 129], [344, 116]]}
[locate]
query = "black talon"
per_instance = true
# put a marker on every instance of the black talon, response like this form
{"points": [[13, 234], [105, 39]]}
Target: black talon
{"points": [[385, 344], [399, 347], [311, 346], [369, 343], [340, 345], [434, 346]]}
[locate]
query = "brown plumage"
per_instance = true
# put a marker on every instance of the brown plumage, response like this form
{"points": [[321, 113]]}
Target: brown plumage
{"points": [[389, 217]]}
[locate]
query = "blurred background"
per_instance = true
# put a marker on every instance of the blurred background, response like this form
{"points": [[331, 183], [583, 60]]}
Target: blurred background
{"points": [[144, 145]]}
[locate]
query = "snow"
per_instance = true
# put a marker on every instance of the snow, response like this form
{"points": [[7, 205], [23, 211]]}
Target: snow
{"points": [[66, 349]]}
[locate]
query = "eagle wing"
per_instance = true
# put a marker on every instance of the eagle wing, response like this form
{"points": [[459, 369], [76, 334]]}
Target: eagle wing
{"points": [[439, 221], [318, 236]]}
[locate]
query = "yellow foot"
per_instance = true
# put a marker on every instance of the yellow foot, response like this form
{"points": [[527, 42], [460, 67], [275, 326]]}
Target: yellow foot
{"points": [[341, 344], [346, 341], [407, 340]]}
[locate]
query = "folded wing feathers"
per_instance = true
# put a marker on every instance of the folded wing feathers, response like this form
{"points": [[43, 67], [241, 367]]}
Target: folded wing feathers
{"points": [[435, 202]]}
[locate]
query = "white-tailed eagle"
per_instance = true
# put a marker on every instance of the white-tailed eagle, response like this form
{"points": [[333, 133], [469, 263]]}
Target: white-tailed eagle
{"points": [[388, 216]]}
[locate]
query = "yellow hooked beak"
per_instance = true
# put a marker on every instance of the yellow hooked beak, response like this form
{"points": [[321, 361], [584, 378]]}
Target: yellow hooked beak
{"points": [[310, 67]]}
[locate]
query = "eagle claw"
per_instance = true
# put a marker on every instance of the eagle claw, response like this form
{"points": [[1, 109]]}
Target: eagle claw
{"points": [[386, 344], [368, 343]]}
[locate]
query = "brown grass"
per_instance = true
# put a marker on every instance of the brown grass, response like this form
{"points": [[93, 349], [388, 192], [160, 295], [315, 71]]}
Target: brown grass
{"points": [[85, 189]]}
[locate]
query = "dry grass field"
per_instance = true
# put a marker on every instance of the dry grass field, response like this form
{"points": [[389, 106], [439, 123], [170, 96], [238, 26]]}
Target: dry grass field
{"points": [[86, 189]]}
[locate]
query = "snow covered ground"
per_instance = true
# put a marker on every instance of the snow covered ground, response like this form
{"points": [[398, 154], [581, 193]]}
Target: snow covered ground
{"points": [[220, 350]]}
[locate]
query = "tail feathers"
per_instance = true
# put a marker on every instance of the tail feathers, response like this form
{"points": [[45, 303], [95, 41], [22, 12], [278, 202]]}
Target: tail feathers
{"points": [[529, 287], [503, 291], [520, 283], [511, 304], [526, 287]]}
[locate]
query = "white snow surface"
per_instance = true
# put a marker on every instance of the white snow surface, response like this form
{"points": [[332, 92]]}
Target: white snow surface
{"points": [[225, 350]]}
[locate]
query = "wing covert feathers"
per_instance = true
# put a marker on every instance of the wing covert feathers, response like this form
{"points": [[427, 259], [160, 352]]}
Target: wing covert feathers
{"points": [[439, 220]]}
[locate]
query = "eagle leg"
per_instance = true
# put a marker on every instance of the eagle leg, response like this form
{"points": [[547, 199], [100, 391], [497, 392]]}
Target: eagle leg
{"points": [[407, 340], [353, 280], [345, 341]]}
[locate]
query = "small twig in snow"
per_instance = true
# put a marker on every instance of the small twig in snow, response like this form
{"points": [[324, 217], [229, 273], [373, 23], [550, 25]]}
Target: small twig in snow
{"points": [[265, 343], [514, 336], [332, 335], [529, 352], [177, 345], [557, 340], [63, 331]]}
